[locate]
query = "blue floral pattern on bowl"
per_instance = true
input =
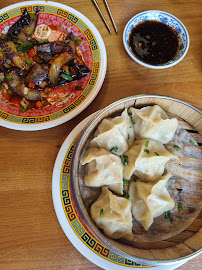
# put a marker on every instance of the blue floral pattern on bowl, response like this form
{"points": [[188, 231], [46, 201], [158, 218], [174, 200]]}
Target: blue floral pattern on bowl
{"points": [[163, 17]]}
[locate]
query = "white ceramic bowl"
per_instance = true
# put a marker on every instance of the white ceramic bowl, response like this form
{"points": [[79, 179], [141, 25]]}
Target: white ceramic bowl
{"points": [[163, 17]]}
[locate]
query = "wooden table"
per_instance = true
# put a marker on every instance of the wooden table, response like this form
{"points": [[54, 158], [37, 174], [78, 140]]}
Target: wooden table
{"points": [[30, 234]]}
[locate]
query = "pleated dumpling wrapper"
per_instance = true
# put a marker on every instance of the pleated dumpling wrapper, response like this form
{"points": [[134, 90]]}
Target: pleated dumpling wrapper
{"points": [[152, 122], [103, 169], [150, 200], [113, 215], [146, 159], [115, 134]]}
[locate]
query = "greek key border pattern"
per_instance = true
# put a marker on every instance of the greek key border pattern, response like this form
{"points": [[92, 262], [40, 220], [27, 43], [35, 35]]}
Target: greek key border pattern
{"points": [[95, 67], [75, 222]]}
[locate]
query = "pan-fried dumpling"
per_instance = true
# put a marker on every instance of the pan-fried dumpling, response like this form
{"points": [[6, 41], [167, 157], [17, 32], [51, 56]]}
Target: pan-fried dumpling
{"points": [[150, 200], [115, 134], [103, 169], [152, 122], [146, 159], [113, 215]]}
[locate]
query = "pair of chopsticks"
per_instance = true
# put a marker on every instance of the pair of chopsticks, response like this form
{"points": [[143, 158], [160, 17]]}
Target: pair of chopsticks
{"points": [[102, 16]]}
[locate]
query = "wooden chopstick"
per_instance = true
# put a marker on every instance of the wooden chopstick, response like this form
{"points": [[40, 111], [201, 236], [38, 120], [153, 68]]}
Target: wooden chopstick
{"points": [[111, 16], [102, 16]]}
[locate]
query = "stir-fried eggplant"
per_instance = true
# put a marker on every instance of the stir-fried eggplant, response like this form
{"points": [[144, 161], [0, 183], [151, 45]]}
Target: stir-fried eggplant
{"points": [[37, 75], [1, 60], [18, 86], [57, 65], [16, 28], [29, 29], [47, 50], [71, 42], [24, 27], [75, 72], [78, 71], [9, 51], [54, 47], [30, 68]]}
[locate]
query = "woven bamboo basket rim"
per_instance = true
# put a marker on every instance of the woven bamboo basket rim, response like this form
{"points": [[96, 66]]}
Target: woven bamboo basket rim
{"points": [[110, 109]]}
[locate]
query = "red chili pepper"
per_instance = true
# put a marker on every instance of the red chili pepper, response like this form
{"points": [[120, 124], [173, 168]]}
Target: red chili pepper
{"points": [[31, 84], [50, 62], [31, 53], [39, 104], [65, 68], [72, 87]]}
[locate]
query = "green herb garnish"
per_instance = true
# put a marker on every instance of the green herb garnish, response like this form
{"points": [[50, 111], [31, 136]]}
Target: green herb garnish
{"points": [[37, 76], [10, 91], [43, 41], [192, 142], [132, 122], [180, 208], [90, 204], [2, 50], [128, 197], [29, 62], [101, 212], [78, 41], [124, 191], [8, 47], [32, 15], [25, 47], [23, 109], [114, 149], [66, 77], [19, 42], [146, 143], [77, 87], [125, 162], [176, 147], [146, 151], [128, 136], [131, 119], [67, 72], [168, 216], [126, 182], [9, 77], [134, 178], [3, 37], [156, 153]]}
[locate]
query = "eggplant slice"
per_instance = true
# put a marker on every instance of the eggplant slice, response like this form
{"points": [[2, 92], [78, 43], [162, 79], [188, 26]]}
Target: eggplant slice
{"points": [[16, 28], [36, 75]]}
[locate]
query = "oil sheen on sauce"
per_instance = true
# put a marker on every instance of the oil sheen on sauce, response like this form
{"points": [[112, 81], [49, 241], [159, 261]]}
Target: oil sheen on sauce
{"points": [[154, 42]]}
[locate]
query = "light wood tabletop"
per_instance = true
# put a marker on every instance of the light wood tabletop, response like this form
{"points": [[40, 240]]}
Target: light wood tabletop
{"points": [[30, 234]]}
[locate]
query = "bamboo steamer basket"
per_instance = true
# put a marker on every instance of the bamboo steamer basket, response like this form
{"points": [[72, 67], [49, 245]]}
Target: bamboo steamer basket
{"points": [[183, 245]]}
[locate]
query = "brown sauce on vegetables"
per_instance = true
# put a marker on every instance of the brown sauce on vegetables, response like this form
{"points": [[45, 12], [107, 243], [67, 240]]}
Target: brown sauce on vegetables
{"points": [[154, 42]]}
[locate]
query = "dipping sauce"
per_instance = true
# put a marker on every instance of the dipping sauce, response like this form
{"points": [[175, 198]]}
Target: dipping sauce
{"points": [[154, 42]]}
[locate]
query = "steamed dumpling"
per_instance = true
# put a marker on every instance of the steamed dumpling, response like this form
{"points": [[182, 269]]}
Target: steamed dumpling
{"points": [[146, 159], [103, 169], [152, 122], [115, 134], [113, 215], [150, 200]]}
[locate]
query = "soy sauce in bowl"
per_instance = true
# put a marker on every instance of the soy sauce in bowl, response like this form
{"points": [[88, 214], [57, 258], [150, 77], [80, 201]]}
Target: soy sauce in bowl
{"points": [[154, 42]]}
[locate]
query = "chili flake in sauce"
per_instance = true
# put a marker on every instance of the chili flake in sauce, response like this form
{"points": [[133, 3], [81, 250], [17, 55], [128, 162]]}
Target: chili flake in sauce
{"points": [[154, 42]]}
